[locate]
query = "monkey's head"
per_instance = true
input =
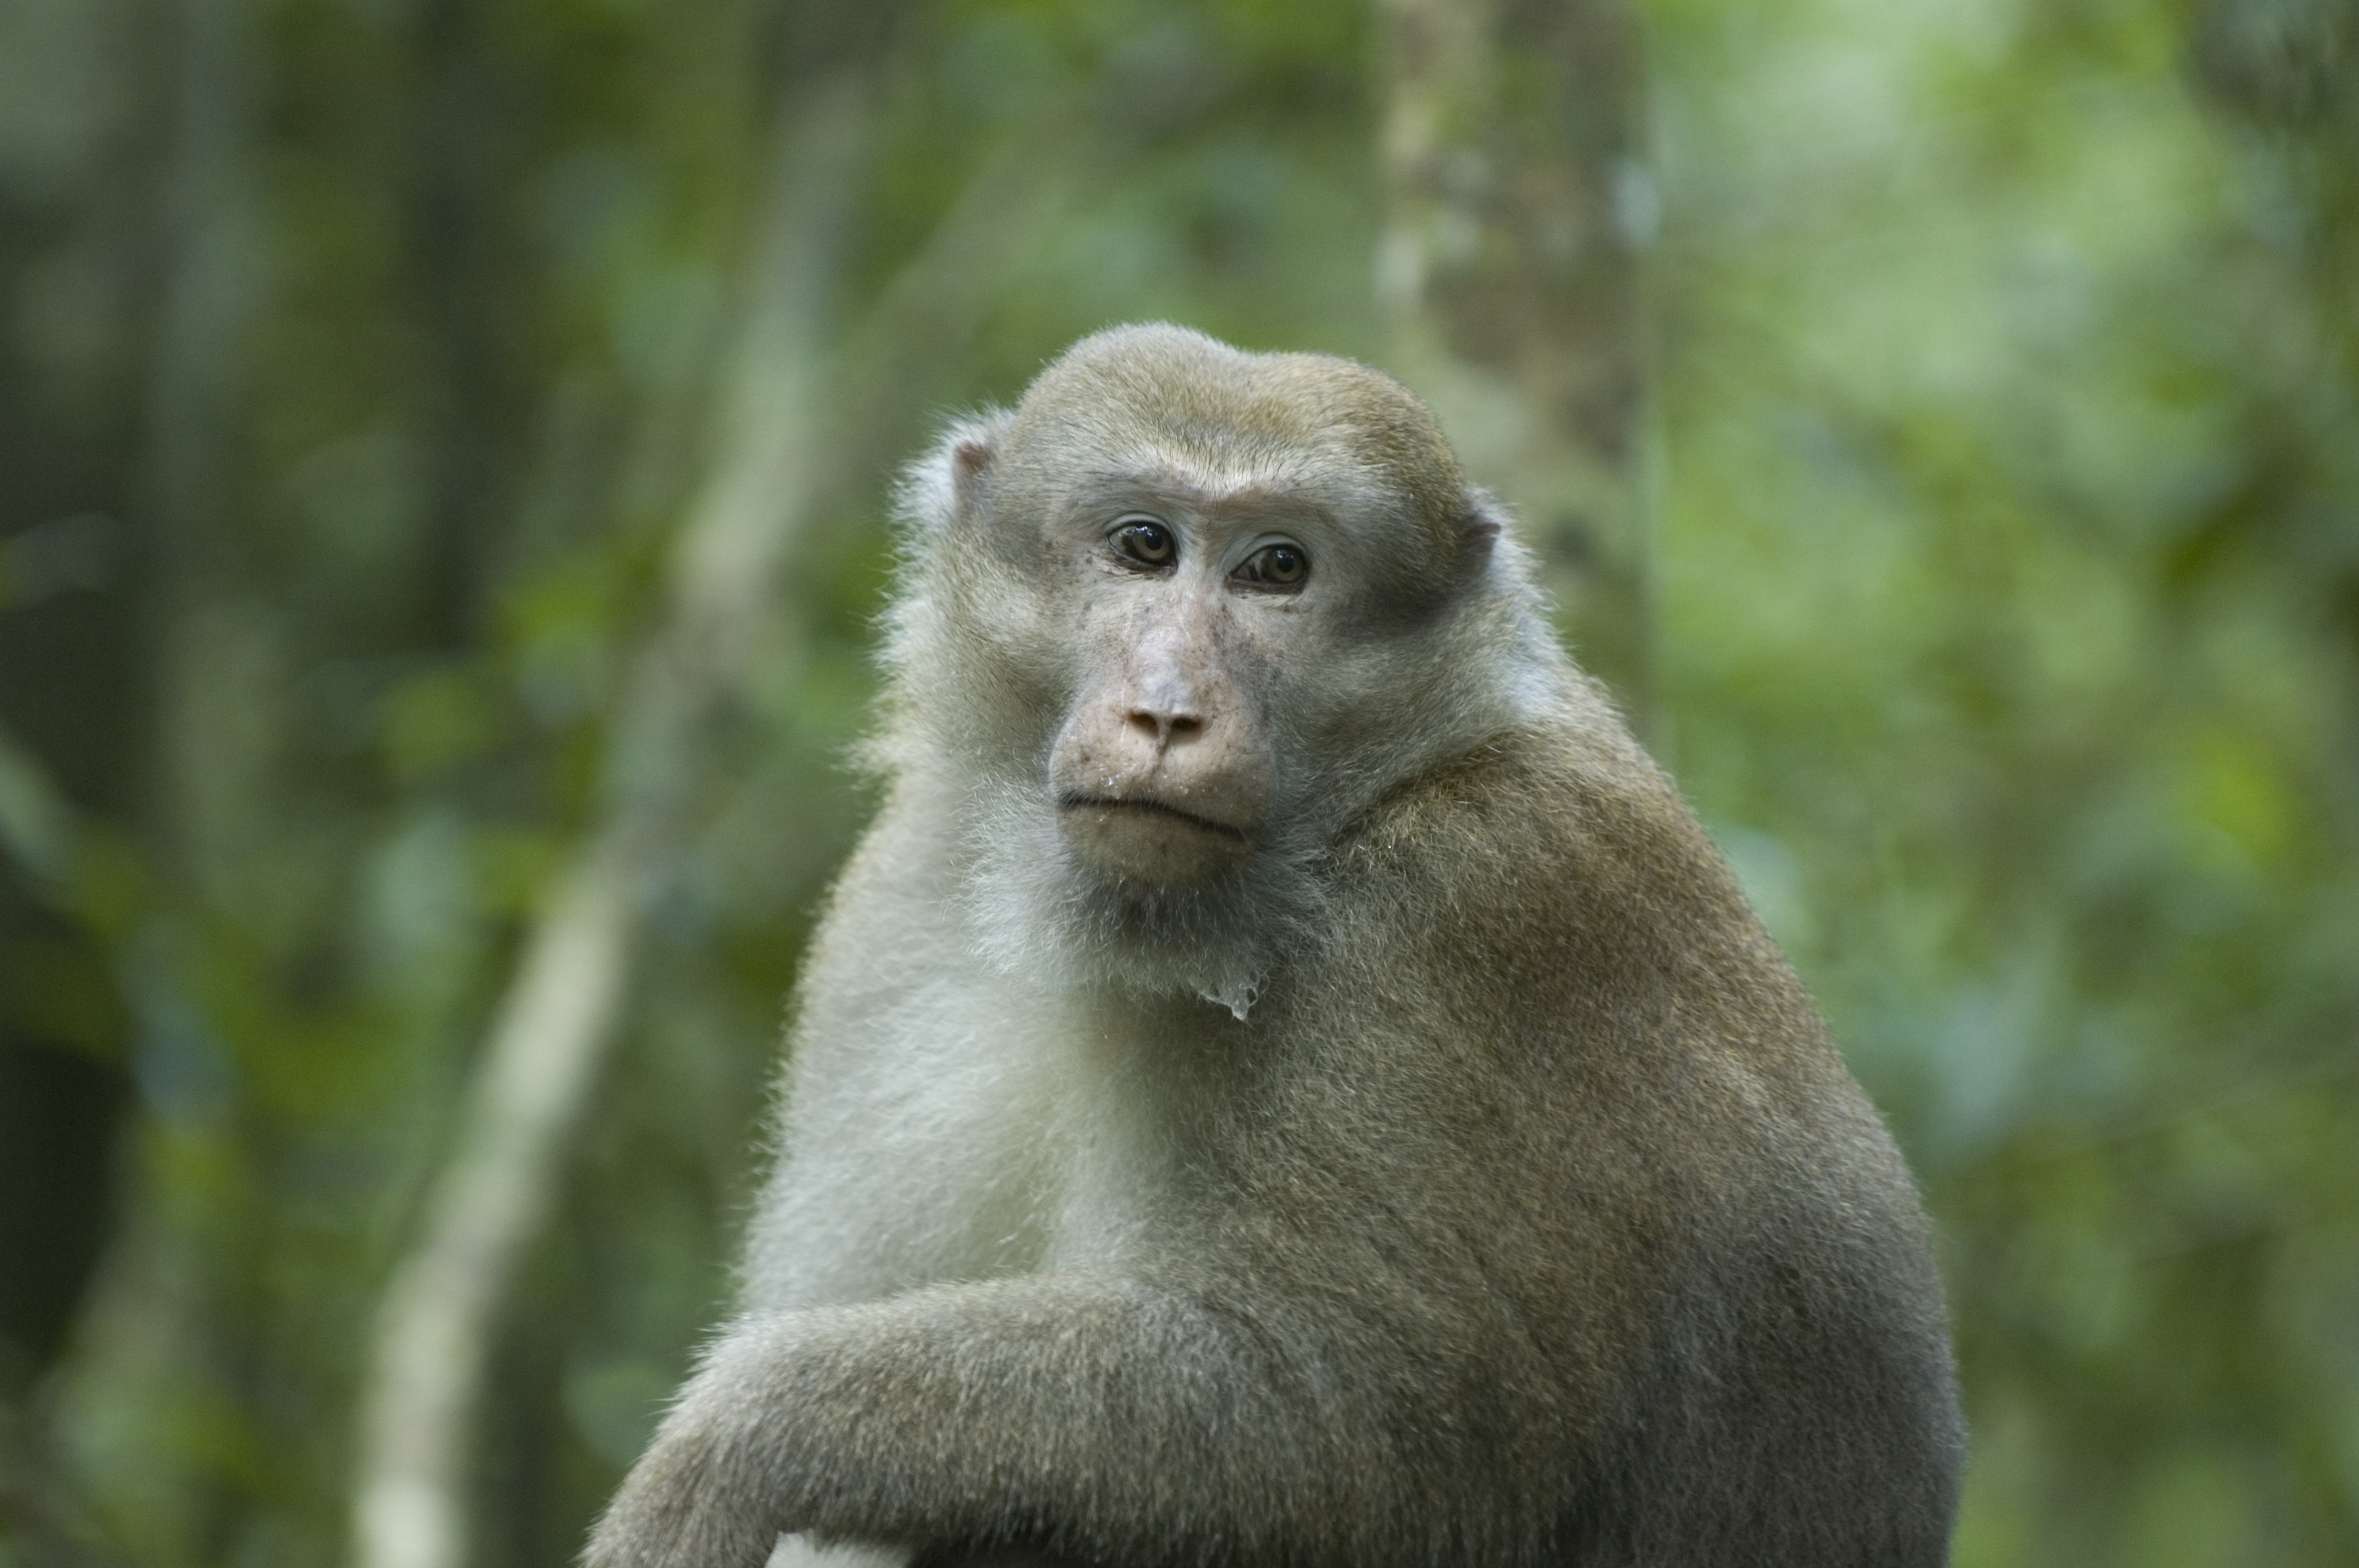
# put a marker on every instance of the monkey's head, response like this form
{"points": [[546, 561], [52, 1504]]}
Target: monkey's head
{"points": [[1188, 610]]}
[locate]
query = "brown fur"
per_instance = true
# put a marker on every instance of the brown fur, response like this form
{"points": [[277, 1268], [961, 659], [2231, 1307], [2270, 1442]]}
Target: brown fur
{"points": [[1517, 1211]]}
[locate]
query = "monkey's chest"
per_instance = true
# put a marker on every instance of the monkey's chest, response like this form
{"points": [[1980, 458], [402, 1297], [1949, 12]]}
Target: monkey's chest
{"points": [[1025, 1147]]}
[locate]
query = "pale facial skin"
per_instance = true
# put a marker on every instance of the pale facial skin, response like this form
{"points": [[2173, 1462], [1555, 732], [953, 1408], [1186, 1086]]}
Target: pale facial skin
{"points": [[1164, 769]]}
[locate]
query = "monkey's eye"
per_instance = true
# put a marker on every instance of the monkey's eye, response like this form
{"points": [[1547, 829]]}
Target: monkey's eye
{"points": [[1144, 542], [1282, 568]]}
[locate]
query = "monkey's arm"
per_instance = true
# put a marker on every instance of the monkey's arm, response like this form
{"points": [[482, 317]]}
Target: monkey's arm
{"points": [[1105, 1417]]}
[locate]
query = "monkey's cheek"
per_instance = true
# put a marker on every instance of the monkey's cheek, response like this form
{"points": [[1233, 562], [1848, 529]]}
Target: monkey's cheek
{"points": [[1129, 843]]}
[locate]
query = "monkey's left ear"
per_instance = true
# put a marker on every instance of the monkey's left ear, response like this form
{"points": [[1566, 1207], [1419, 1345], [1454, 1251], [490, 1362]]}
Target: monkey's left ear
{"points": [[1479, 522]]}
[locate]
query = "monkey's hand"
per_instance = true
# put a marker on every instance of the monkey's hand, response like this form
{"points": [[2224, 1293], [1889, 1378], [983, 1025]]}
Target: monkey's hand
{"points": [[693, 1500]]}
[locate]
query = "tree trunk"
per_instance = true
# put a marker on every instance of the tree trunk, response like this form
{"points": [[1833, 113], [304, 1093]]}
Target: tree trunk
{"points": [[1520, 205]]}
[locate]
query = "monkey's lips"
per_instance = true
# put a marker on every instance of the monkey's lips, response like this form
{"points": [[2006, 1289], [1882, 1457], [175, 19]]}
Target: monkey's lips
{"points": [[1139, 838]]}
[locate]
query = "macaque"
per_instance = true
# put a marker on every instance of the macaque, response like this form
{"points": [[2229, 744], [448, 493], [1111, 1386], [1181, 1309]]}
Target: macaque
{"points": [[1286, 1080]]}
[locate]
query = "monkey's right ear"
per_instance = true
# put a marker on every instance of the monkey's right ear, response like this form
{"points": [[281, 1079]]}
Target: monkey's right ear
{"points": [[969, 462], [954, 478]]}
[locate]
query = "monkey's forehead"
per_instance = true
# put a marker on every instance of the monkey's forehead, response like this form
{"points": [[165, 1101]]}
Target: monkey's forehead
{"points": [[1164, 397], [1347, 497]]}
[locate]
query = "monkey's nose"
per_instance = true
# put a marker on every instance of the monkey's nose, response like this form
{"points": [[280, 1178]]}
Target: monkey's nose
{"points": [[1164, 727]]}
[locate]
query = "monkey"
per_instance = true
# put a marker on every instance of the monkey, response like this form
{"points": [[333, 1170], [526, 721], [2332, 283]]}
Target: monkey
{"points": [[1286, 1079]]}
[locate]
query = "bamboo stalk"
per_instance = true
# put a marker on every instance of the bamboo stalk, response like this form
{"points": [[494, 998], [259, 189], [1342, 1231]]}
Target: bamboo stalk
{"points": [[784, 449], [553, 1029]]}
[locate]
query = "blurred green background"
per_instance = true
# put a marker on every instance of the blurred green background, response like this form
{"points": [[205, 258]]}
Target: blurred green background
{"points": [[1984, 562]]}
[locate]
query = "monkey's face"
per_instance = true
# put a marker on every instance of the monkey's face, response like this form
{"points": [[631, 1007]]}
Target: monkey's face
{"points": [[1185, 599], [1185, 613], [1236, 646]]}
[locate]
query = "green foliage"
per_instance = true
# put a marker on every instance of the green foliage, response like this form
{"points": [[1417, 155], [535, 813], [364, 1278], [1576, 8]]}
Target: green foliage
{"points": [[2012, 530], [2008, 597]]}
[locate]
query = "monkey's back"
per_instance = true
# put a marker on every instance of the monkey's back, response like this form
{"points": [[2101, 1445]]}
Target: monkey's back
{"points": [[1666, 1197]]}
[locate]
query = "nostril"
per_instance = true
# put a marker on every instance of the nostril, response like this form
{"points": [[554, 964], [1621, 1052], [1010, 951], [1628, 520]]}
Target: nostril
{"points": [[1163, 726]]}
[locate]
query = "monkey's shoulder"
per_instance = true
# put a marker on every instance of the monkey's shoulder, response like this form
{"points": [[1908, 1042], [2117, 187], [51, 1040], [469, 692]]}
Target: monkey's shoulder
{"points": [[1549, 902], [1564, 832]]}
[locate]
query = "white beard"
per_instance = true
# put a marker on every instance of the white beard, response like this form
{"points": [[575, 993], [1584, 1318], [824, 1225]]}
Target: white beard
{"points": [[1035, 913]]}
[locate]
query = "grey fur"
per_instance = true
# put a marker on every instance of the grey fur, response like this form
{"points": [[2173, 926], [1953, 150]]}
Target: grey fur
{"points": [[1526, 1215]]}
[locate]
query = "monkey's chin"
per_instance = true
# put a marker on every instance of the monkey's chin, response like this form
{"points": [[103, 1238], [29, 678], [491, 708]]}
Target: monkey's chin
{"points": [[1139, 841]]}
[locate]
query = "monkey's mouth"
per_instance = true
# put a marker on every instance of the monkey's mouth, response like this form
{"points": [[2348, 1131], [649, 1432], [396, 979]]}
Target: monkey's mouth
{"points": [[1154, 808], [1148, 842]]}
